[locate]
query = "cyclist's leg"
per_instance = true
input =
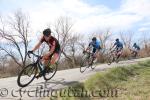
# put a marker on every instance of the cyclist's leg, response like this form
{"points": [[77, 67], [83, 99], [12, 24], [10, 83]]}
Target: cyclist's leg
{"points": [[136, 53], [97, 52], [55, 57], [119, 52], [93, 55], [45, 60], [116, 51], [94, 52]]}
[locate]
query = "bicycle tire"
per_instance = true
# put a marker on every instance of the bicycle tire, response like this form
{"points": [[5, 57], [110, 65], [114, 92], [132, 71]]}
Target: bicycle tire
{"points": [[23, 72], [84, 64], [110, 59], [93, 65], [52, 74]]}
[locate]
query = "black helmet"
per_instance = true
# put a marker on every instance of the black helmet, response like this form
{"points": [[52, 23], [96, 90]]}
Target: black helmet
{"points": [[94, 39], [134, 44], [47, 32], [117, 39]]}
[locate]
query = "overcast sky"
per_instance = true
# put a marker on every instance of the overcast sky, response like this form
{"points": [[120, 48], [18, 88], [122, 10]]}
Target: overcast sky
{"points": [[88, 15]]}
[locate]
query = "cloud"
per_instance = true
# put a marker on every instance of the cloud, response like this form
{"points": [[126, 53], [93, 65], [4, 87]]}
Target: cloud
{"points": [[140, 7], [144, 29], [87, 18], [129, 15], [48, 11]]}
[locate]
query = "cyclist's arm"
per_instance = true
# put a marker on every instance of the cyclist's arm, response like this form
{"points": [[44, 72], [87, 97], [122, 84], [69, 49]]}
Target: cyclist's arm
{"points": [[112, 46], [37, 45], [89, 47]]}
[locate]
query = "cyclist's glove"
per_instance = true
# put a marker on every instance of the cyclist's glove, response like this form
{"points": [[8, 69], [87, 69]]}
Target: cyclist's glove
{"points": [[30, 51]]}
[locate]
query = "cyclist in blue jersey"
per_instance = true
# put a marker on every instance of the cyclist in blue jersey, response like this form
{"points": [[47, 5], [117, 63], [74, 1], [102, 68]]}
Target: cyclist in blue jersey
{"points": [[118, 47], [95, 44], [135, 49]]}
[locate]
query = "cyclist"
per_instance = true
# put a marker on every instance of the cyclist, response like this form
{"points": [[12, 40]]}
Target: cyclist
{"points": [[54, 48], [96, 47], [118, 48], [135, 49]]}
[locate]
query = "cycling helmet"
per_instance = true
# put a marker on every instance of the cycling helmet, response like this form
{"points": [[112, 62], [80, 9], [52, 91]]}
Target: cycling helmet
{"points": [[134, 44], [94, 39], [47, 32], [117, 39]]}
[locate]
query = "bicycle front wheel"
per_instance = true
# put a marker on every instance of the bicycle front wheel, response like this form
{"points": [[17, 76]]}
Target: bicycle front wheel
{"points": [[110, 59], [27, 75], [84, 64]]}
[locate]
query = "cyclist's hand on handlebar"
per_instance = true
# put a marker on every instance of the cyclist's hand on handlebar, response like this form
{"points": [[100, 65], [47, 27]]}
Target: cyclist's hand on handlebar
{"points": [[84, 51], [30, 51]]}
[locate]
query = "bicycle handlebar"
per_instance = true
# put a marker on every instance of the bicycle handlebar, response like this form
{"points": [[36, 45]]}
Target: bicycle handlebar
{"points": [[34, 55]]}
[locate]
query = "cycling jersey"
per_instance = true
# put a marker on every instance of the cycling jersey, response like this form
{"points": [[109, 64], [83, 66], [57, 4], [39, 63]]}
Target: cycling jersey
{"points": [[136, 47], [50, 43], [118, 44], [95, 45]]}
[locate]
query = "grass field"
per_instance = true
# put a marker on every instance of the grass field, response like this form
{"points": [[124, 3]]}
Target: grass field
{"points": [[121, 83]]}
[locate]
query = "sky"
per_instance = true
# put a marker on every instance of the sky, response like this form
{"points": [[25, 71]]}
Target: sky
{"points": [[88, 15]]}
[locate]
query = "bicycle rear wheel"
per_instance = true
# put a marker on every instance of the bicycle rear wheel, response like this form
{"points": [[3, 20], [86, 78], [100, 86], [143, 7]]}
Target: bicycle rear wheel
{"points": [[27, 75], [94, 63], [50, 71]]}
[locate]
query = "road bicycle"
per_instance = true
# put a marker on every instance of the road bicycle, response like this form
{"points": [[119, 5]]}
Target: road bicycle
{"points": [[88, 60], [113, 56], [36, 69], [133, 54]]}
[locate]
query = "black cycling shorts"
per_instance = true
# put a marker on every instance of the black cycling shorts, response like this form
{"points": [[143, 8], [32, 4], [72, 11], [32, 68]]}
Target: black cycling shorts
{"points": [[57, 50]]}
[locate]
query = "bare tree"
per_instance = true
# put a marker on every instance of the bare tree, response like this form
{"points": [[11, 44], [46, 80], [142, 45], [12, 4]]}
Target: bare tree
{"points": [[104, 37], [145, 42], [127, 38], [68, 40], [16, 37]]}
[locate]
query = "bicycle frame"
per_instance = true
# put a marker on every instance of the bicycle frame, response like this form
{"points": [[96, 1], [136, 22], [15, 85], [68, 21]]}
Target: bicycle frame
{"points": [[37, 62]]}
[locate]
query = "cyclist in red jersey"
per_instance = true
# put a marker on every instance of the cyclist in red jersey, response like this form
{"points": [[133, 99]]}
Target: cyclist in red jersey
{"points": [[54, 47]]}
